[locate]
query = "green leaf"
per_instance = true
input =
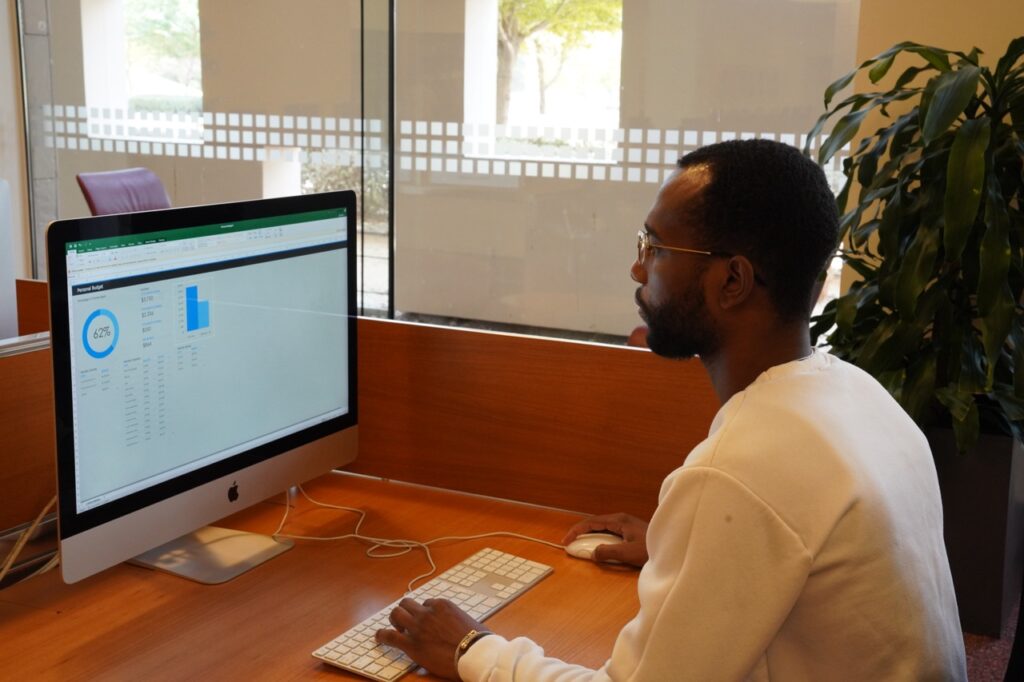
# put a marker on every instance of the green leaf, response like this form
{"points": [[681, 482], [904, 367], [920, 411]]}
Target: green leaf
{"points": [[863, 232], [928, 305], [905, 138], [966, 431], [919, 388], [965, 180], [934, 56], [995, 327], [1016, 106], [972, 56], [1014, 51], [972, 377], [862, 267], [887, 287], [893, 381], [846, 311], [994, 254], [884, 331], [909, 75], [889, 228], [891, 353], [838, 85], [823, 322], [879, 70], [867, 168], [916, 270], [841, 199], [844, 131], [953, 90], [958, 402], [841, 83]]}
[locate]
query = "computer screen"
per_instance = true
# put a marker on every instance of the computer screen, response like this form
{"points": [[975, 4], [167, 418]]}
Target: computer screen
{"points": [[204, 359]]}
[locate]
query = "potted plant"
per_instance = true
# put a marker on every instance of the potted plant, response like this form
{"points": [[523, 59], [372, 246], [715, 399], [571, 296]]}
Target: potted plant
{"points": [[936, 234]]}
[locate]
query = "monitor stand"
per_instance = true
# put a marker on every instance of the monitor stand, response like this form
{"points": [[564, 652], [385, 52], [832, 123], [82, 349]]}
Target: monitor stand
{"points": [[212, 555]]}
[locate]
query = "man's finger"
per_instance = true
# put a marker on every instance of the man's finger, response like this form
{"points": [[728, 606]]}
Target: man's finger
{"points": [[591, 526], [609, 552], [401, 619], [412, 606], [389, 637], [625, 553]]}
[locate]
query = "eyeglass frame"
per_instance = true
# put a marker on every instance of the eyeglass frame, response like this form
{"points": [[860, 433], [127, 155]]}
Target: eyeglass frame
{"points": [[644, 244]]}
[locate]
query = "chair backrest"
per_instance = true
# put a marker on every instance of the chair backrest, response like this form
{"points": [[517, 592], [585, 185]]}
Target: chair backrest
{"points": [[123, 191]]}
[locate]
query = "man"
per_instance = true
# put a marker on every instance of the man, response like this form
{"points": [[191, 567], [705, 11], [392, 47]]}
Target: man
{"points": [[802, 540]]}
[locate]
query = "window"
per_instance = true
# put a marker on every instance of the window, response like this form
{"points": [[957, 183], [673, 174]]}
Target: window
{"points": [[162, 55], [554, 77], [526, 223], [558, 70], [142, 70]]}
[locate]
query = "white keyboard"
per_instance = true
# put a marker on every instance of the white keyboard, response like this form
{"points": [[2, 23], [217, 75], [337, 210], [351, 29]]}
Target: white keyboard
{"points": [[480, 585]]}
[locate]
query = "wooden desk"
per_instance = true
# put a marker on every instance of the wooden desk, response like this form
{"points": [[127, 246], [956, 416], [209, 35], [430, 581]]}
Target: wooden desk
{"points": [[129, 623]]}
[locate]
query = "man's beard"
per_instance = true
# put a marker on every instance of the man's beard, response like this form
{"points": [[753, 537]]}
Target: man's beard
{"points": [[682, 328]]}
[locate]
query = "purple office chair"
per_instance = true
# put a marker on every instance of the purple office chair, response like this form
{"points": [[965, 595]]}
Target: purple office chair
{"points": [[123, 191]]}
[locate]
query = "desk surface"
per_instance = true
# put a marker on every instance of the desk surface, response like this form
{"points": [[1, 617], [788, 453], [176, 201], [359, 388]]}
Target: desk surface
{"points": [[131, 623]]}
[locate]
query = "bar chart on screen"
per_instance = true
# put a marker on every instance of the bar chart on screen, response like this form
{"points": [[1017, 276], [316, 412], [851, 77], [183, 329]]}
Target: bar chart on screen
{"points": [[197, 311], [194, 319]]}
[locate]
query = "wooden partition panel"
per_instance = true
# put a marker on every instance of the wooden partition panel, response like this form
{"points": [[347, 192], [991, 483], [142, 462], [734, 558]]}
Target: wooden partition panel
{"points": [[579, 426], [27, 477], [33, 306]]}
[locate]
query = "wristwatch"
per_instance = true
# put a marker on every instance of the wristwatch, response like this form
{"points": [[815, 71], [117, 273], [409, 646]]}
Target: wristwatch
{"points": [[469, 640]]}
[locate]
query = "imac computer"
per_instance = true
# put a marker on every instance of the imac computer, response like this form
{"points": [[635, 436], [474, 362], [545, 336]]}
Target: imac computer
{"points": [[204, 359]]}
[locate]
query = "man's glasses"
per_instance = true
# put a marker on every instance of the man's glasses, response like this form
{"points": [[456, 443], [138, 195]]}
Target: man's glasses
{"points": [[645, 246]]}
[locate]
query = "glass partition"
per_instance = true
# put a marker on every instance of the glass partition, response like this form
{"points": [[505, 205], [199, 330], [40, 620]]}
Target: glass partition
{"points": [[532, 135], [529, 136], [223, 99]]}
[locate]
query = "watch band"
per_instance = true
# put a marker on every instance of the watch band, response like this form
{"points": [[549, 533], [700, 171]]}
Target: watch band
{"points": [[469, 640]]}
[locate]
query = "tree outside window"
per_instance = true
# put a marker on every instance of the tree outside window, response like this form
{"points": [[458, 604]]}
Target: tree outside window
{"points": [[558, 66], [163, 64]]}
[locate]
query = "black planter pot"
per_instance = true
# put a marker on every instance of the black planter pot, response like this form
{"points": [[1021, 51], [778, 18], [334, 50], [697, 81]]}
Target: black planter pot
{"points": [[983, 511]]}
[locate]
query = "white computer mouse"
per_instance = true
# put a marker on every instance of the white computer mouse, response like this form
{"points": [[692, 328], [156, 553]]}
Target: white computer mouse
{"points": [[584, 545]]}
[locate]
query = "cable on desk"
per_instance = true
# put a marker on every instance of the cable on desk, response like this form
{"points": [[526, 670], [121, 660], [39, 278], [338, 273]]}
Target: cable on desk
{"points": [[402, 546], [48, 566], [12, 556]]}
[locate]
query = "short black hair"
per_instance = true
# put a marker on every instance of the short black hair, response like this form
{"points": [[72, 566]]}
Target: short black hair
{"points": [[767, 201]]}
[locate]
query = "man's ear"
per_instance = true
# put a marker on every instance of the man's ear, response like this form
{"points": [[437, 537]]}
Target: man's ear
{"points": [[737, 282]]}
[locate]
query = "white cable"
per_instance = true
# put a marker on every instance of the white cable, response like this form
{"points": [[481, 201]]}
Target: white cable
{"points": [[48, 566], [287, 509], [404, 546], [23, 538]]}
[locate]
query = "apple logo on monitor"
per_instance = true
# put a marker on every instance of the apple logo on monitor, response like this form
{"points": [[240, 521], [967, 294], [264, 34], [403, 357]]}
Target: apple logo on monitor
{"points": [[233, 492]]}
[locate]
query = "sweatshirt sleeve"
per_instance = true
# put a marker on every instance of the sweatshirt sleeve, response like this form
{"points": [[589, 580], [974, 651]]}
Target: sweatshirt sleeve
{"points": [[725, 571]]}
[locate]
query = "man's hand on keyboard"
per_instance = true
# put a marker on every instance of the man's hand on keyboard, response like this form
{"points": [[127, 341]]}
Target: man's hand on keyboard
{"points": [[429, 633], [630, 528]]}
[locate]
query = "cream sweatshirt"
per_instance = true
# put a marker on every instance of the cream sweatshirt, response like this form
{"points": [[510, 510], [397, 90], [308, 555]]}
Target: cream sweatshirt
{"points": [[802, 540]]}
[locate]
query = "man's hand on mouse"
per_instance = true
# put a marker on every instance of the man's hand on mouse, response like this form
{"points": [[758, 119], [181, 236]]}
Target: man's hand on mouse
{"points": [[630, 528], [429, 633]]}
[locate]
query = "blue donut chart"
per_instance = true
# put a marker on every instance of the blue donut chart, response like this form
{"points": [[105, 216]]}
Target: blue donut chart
{"points": [[99, 354]]}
